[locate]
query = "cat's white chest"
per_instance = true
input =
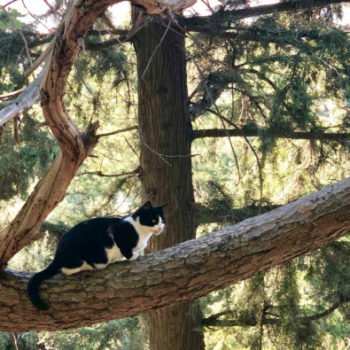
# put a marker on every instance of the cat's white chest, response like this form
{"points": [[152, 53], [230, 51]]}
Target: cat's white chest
{"points": [[113, 254], [142, 243]]}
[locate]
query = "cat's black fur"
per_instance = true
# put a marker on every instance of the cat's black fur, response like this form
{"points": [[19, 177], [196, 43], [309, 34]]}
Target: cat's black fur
{"points": [[95, 243]]}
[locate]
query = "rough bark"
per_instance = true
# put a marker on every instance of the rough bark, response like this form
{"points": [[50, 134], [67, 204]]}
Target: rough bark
{"points": [[183, 272], [166, 165]]}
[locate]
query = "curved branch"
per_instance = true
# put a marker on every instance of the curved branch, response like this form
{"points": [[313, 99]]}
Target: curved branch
{"points": [[75, 146], [183, 272]]}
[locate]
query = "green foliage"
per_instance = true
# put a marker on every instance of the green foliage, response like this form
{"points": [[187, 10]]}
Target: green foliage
{"points": [[126, 334], [12, 50], [20, 162], [25, 341], [279, 74]]}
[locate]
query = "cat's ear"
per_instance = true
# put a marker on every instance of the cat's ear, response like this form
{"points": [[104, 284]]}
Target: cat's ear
{"points": [[147, 205]]}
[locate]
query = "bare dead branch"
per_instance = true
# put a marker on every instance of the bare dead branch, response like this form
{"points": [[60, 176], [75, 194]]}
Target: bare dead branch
{"points": [[25, 100]]}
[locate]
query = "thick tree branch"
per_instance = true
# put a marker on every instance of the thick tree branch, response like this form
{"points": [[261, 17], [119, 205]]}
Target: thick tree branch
{"points": [[221, 19], [183, 272], [339, 137]]}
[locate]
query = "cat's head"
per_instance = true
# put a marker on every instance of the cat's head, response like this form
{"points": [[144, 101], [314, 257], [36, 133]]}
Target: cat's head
{"points": [[150, 217]]}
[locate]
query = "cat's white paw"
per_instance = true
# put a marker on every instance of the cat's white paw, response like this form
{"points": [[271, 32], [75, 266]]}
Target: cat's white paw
{"points": [[134, 256]]}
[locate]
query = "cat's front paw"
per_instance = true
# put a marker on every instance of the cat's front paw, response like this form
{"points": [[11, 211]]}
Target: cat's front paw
{"points": [[134, 256]]}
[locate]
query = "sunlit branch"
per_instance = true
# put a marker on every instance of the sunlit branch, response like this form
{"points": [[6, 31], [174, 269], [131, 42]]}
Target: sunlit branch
{"points": [[135, 127]]}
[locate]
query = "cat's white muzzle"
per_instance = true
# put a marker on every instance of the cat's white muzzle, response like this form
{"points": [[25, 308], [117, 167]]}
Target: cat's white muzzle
{"points": [[158, 229]]}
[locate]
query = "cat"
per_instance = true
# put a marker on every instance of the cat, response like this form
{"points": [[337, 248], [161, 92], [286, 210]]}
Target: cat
{"points": [[96, 243]]}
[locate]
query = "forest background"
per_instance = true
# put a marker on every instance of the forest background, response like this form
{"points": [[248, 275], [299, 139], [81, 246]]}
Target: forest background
{"points": [[268, 112]]}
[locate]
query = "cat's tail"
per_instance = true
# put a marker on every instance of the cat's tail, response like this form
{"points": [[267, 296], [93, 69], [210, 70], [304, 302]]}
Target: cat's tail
{"points": [[34, 283]]}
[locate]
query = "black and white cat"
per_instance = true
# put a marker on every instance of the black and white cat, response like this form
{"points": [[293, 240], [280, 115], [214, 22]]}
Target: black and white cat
{"points": [[96, 243]]}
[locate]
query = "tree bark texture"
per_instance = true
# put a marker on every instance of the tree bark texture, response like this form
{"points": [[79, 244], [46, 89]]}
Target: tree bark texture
{"points": [[181, 273], [166, 165]]}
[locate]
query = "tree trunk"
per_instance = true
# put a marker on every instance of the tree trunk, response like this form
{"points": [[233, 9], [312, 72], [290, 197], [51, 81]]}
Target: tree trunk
{"points": [[166, 165]]}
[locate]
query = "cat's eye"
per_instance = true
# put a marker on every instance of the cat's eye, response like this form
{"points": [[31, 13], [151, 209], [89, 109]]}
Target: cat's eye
{"points": [[154, 221]]}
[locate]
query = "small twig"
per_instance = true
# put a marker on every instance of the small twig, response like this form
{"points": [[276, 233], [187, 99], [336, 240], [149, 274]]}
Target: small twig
{"points": [[40, 59], [127, 195], [256, 157], [15, 342], [132, 148], [35, 17], [15, 130], [49, 6], [207, 4], [9, 3], [12, 93], [221, 118], [156, 49], [162, 155], [135, 127]]}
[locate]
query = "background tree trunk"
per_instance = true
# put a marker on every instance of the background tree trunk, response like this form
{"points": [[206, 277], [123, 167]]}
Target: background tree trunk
{"points": [[166, 165]]}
